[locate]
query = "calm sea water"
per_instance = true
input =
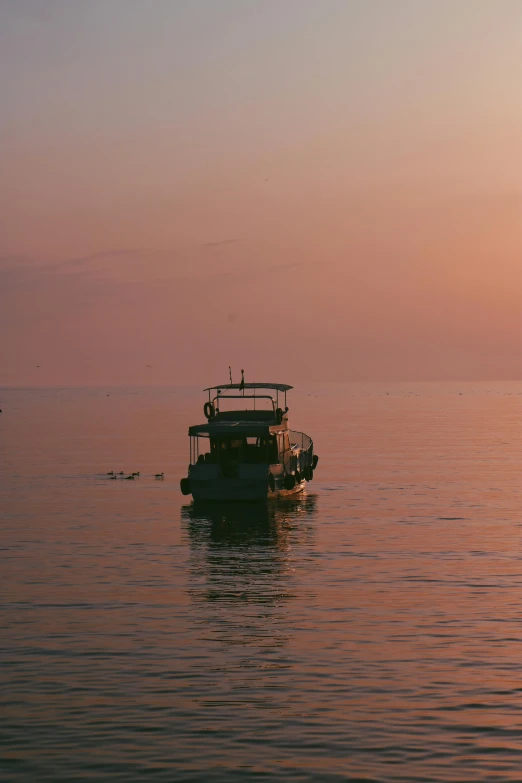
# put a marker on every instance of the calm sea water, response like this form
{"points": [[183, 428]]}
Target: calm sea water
{"points": [[370, 630]]}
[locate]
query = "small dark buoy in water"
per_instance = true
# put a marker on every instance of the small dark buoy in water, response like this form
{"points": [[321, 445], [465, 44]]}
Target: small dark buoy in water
{"points": [[129, 478], [159, 475]]}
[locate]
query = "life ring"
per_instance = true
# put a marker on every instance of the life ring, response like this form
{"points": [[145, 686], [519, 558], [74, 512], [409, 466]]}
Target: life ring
{"points": [[289, 481], [315, 460], [271, 482], [279, 415], [209, 410], [184, 485]]}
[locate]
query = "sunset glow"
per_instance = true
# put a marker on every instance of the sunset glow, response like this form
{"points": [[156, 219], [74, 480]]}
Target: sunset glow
{"points": [[310, 190]]}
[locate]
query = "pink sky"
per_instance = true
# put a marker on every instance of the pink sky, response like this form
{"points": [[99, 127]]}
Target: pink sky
{"points": [[309, 190]]}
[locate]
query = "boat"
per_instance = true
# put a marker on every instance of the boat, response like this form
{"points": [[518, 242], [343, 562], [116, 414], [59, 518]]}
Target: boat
{"points": [[248, 452]]}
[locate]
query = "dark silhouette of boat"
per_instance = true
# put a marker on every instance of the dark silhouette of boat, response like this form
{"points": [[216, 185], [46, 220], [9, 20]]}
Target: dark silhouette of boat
{"points": [[248, 453]]}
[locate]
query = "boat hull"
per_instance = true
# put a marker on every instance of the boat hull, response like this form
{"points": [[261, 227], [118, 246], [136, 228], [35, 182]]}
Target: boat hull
{"points": [[237, 489]]}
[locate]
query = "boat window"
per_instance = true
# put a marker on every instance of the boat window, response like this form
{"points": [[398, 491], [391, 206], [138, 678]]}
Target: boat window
{"points": [[254, 450], [272, 450], [250, 449], [283, 442]]}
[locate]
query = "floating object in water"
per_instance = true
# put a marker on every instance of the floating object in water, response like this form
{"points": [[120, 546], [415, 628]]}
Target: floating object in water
{"points": [[113, 477], [129, 478], [110, 473], [159, 475], [120, 473], [253, 453], [136, 473]]}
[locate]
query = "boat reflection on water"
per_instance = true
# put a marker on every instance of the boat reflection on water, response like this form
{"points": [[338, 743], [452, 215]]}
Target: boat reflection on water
{"points": [[249, 525], [243, 566]]}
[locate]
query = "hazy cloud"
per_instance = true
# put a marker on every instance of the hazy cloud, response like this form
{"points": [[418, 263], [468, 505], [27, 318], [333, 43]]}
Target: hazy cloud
{"points": [[82, 260]]}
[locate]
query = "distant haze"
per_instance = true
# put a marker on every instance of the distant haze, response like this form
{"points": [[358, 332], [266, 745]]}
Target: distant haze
{"points": [[307, 190]]}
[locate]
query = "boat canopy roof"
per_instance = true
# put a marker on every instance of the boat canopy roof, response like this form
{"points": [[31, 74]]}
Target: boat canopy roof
{"points": [[282, 387], [231, 428]]}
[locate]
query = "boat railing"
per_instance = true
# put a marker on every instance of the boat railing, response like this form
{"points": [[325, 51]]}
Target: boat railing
{"points": [[302, 459], [300, 440], [242, 398]]}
